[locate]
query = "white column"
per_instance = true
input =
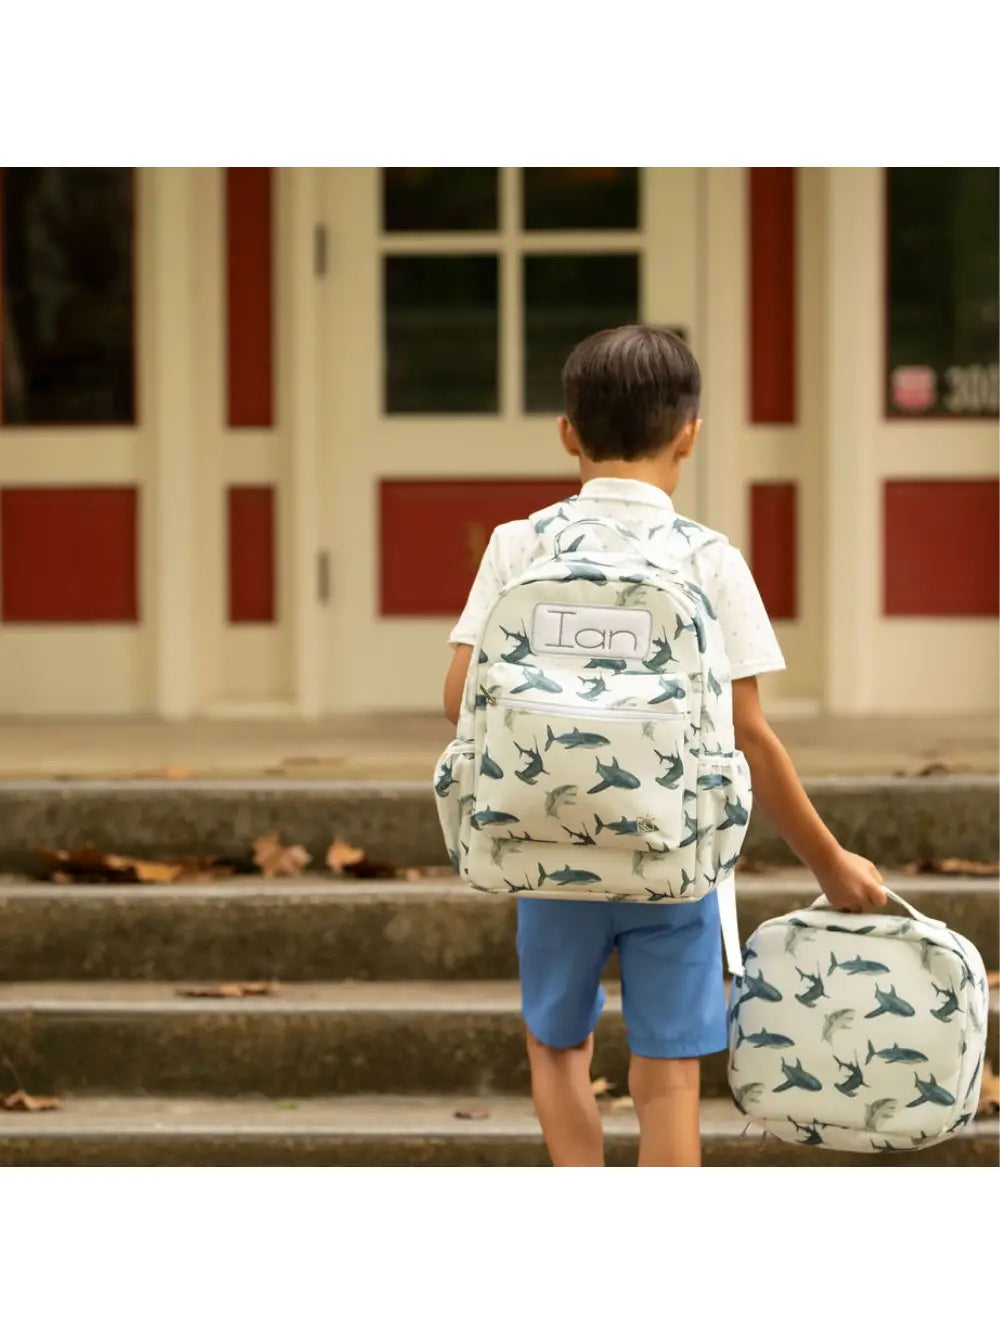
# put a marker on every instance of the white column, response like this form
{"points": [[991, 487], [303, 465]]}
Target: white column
{"points": [[301, 491], [169, 220], [854, 355], [721, 478]]}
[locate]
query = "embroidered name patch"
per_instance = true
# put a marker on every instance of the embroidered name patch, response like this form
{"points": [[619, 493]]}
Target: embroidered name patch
{"points": [[590, 631]]}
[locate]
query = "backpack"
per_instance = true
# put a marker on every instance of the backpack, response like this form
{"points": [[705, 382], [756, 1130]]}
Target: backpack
{"points": [[859, 1034], [595, 751]]}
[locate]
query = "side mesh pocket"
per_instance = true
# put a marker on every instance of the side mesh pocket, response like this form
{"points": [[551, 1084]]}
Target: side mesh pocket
{"points": [[454, 784], [725, 801]]}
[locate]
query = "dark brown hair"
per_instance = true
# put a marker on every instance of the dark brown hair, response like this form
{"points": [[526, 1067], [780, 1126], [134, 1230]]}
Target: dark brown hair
{"points": [[629, 391]]}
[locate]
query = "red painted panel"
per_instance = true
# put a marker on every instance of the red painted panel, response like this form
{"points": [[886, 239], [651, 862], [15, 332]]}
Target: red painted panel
{"points": [[433, 534], [68, 554], [250, 354], [774, 546], [941, 542], [251, 554], [772, 333]]}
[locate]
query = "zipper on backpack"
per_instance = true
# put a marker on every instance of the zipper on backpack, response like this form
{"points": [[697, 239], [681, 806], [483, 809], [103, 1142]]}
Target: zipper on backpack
{"points": [[568, 710]]}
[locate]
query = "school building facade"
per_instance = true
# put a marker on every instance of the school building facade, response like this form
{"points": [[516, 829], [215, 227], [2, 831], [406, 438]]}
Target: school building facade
{"points": [[257, 424]]}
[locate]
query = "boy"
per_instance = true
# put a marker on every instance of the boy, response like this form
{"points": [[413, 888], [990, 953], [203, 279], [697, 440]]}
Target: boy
{"points": [[631, 420]]}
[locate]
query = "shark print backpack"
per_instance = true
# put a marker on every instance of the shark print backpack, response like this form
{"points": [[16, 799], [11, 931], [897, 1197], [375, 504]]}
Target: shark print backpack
{"points": [[595, 752], [858, 1033]]}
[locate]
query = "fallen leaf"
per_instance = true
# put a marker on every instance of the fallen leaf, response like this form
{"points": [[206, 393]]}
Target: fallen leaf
{"points": [[600, 1087], [23, 1101], [275, 859], [746, 865], [230, 990], [989, 1096], [935, 768], [344, 859], [87, 865], [954, 865], [173, 772], [472, 1113], [622, 1104]]}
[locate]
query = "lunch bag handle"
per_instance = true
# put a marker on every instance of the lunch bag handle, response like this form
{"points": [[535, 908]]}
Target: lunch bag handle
{"points": [[823, 902]]}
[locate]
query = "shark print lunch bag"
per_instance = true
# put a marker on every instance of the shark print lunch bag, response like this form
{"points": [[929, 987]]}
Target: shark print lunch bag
{"points": [[595, 755], [858, 1033]]}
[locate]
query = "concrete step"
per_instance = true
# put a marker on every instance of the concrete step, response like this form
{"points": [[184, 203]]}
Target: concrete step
{"points": [[339, 1039], [891, 820], [392, 1131], [310, 930]]}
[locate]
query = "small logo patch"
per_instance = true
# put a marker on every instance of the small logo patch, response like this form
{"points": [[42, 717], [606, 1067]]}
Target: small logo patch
{"points": [[591, 631]]}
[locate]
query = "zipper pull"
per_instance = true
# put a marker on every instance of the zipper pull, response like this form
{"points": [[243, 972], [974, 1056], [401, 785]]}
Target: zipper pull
{"points": [[490, 698]]}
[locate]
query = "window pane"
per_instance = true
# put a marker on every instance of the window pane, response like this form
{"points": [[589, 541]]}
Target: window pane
{"points": [[580, 198], [943, 274], [68, 328], [566, 298], [441, 326], [439, 199]]}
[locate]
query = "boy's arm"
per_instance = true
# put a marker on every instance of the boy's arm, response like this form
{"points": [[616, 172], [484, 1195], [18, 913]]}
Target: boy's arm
{"points": [[454, 682], [851, 883]]}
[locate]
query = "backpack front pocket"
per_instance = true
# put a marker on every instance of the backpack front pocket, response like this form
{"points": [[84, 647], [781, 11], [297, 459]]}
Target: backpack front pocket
{"points": [[724, 804], [454, 781], [557, 770]]}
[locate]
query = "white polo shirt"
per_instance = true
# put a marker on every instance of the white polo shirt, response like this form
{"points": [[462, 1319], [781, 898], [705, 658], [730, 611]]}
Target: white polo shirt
{"points": [[719, 568]]}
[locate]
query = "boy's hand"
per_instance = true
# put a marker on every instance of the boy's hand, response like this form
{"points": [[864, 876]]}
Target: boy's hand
{"points": [[852, 884]]}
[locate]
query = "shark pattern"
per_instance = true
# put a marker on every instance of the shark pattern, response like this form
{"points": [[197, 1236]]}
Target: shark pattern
{"points": [[558, 797], [895, 1055], [596, 686], [839, 1020], [567, 876], [534, 768], [814, 991], [575, 739], [891, 1003], [854, 1080], [613, 775], [535, 679], [930, 1090], [855, 966], [797, 1077]]}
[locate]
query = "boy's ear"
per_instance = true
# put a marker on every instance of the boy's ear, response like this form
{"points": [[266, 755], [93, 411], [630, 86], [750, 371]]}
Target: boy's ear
{"points": [[568, 438], [687, 439]]}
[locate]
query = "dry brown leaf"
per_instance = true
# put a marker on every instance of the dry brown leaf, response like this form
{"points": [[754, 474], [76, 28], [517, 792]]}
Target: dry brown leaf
{"points": [[954, 865], [472, 1113], [989, 1096], [87, 865], [173, 772], [230, 990], [23, 1101], [746, 865], [344, 859], [600, 1087], [275, 859]]}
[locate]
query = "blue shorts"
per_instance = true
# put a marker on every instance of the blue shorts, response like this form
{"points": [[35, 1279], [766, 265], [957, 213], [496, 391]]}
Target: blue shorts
{"points": [[673, 996]]}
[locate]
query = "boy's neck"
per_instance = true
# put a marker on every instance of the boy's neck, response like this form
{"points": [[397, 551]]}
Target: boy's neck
{"points": [[657, 472]]}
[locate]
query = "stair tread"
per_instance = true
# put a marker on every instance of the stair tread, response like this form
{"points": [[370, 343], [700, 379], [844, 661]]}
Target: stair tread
{"points": [[369, 1116], [447, 996], [793, 882]]}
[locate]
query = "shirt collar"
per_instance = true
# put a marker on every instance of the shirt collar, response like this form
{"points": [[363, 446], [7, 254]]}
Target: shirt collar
{"points": [[625, 489]]}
